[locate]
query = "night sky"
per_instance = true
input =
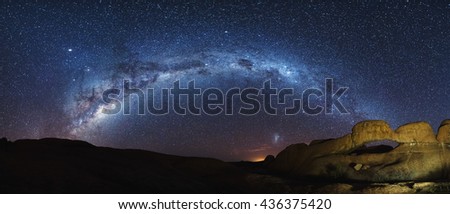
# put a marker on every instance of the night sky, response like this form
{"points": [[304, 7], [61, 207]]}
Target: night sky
{"points": [[57, 58]]}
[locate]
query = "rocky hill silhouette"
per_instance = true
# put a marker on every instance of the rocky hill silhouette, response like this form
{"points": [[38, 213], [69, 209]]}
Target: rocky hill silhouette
{"points": [[372, 159], [66, 166]]}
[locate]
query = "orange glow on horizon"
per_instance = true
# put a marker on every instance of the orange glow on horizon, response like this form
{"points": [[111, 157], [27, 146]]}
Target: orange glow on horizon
{"points": [[257, 159]]}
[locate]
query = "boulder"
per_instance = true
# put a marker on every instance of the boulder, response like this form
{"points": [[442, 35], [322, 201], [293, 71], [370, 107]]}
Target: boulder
{"points": [[268, 160], [292, 156], [372, 130], [443, 135], [445, 122], [418, 132], [332, 146], [295, 157]]}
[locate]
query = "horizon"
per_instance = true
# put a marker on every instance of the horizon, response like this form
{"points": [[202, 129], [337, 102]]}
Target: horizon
{"points": [[386, 61]]}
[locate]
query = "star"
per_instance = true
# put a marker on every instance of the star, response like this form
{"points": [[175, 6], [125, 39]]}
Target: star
{"points": [[397, 73]]}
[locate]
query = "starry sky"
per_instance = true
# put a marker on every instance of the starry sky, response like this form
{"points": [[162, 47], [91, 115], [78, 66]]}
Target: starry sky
{"points": [[57, 58]]}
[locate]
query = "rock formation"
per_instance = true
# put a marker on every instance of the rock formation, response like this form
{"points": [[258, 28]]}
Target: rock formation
{"points": [[372, 130], [418, 154], [443, 135], [419, 132]]}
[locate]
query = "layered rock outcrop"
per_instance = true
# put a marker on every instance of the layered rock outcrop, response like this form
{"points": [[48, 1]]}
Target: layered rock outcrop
{"points": [[418, 154]]}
